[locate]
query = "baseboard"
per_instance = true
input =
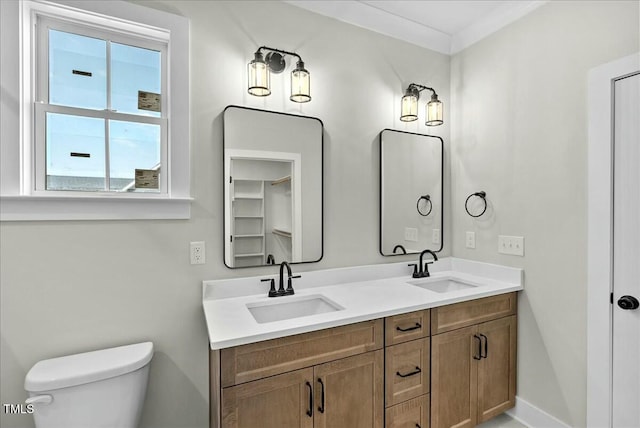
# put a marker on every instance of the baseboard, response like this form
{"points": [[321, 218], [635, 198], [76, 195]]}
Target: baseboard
{"points": [[533, 417]]}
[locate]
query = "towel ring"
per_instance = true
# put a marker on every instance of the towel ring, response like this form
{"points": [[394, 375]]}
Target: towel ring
{"points": [[428, 199], [480, 194]]}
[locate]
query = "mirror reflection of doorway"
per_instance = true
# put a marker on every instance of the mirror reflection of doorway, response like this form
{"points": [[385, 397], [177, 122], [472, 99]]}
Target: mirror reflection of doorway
{"points": [[265, 220]]}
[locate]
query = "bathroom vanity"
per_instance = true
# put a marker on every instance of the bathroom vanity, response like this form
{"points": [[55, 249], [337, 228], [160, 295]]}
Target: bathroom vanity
{"points": [[371, 347]]}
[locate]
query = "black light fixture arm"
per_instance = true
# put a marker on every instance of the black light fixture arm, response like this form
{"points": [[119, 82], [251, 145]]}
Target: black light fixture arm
{"points": [[280, 51], [417, 88]]}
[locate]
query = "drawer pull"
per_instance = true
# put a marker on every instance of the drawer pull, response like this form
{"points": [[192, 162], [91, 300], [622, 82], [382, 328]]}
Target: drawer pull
{"points": [[310, 411], [321, 408], [415, 372], [415, 327]]}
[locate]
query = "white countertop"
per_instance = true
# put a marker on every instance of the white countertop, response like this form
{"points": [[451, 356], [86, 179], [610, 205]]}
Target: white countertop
{"points": [[365, 293]]}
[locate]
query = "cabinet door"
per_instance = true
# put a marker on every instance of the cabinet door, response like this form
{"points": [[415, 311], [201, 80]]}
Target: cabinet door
{"points": [[281, 401], [349, 392], [497, 370], [454, 379]]}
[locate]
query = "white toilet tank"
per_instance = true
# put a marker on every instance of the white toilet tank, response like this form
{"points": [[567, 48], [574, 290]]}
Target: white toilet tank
{"points": [[99, 389]]}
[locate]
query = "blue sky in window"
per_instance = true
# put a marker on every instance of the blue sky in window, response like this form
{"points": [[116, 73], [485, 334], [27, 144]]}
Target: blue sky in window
{"points": [[132, 145]]}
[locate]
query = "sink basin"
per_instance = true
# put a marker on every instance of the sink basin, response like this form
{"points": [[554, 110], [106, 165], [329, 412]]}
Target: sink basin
{"points": [[286, 308], [442, 285]]}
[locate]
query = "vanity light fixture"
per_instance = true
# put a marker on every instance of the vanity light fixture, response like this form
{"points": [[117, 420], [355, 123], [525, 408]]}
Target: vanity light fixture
{"points": [[260, 68], [409, 106]]}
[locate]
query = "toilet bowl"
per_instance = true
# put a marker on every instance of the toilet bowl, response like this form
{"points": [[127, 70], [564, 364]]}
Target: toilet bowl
{"points": [[99, 389]]}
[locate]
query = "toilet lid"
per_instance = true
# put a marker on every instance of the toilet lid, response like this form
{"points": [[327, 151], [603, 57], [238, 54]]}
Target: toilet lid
{"points": [[87, 367]]}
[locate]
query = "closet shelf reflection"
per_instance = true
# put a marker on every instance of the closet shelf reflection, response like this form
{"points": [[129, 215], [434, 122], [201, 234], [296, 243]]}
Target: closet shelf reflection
{"points": [[281, 180], [281, 232]]}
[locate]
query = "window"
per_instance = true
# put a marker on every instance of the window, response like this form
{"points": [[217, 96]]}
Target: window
{"points": [[99, 121], [100, 129]]}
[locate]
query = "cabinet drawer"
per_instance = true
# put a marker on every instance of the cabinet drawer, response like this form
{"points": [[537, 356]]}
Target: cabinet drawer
{"points": [[410, 414], [407, 371], [458, 315], [406, 327], [258, 360]]}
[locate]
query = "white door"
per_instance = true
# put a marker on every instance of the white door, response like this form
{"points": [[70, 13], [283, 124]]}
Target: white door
{"points": [[626, 253]]}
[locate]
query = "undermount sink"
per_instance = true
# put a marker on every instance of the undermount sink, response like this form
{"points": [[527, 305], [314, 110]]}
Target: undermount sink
{"points": [[442, 285], [291, 307]]}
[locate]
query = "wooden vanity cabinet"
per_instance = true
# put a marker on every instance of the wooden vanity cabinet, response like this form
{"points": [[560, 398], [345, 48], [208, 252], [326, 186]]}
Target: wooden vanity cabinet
{"points": [[321, 379], [473, 368], [451, 366]]}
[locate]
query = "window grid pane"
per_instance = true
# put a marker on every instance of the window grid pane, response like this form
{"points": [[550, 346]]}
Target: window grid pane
{"points": [[77, 70], [134, 150], [136, 81], [75, 153]]}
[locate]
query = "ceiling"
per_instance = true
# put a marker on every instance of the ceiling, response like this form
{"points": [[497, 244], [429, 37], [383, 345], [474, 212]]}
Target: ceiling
{"points": [[443, 26]]}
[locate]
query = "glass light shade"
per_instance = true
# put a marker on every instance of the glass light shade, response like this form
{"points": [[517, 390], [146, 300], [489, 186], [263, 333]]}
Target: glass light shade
{"points": [[300, 86], [259, 77], [434, 112], [409, 108]]}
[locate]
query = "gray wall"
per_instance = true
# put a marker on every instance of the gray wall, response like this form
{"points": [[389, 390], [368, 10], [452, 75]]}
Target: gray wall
{"points": [[519, 109], [76, 286]]}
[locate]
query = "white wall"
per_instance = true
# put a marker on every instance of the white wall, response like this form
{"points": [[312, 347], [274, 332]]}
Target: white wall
{"points": [[75, 286], [519, 114]]}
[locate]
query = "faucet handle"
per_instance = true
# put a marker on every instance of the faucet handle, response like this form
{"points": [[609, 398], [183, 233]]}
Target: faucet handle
{"points": [[289, 289], [415, 270], [272, 289], [426, 273]]}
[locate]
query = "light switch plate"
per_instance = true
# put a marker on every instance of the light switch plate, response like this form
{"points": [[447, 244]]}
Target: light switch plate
{"points": [[411, 234], [513, 245], [435, 237], [471, 240]]}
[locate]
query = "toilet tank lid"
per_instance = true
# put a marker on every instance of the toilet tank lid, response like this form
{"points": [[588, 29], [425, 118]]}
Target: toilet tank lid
{"points": [[87, 367]]}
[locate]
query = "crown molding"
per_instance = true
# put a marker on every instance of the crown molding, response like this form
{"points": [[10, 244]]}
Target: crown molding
{"points": [[372, 18], [500, 18], [369, 17]]}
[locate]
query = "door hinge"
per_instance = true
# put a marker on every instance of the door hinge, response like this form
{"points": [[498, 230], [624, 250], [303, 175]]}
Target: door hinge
{"points": [[231, 238], [611, 298], [230, 179]]}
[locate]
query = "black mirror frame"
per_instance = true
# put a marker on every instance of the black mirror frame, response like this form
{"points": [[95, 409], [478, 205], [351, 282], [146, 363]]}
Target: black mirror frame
{"points": [[224, 202], [380, 249]]}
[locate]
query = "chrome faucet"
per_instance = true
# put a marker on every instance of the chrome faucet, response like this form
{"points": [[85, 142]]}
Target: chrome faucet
{"points": [[418, 270]]}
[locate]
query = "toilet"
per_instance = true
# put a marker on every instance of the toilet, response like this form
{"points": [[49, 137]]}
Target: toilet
{"points": [[98, 389]]}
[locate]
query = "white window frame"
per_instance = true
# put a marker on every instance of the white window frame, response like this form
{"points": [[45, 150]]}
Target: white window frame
{"points": [[22, 194]]}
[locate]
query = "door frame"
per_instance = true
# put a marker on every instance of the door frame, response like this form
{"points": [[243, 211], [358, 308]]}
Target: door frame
{"points": [[296, 191], [600, 236]]}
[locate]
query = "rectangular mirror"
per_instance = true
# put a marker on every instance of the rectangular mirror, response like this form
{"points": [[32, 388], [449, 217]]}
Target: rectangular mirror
{"points": [[411, 192], [273, 187]]}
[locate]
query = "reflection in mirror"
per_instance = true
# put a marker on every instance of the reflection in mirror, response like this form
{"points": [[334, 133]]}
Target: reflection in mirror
{"points": [[272, 188], [411, 192]]}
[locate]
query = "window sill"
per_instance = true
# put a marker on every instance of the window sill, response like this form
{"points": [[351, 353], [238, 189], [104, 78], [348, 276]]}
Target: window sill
{"points": [[39, 208]]}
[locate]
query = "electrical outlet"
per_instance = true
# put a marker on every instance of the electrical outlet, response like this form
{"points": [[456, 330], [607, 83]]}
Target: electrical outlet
{"points": [[471, 240], [411, 234], [513, 245], [435, 237], [197, 253]]}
